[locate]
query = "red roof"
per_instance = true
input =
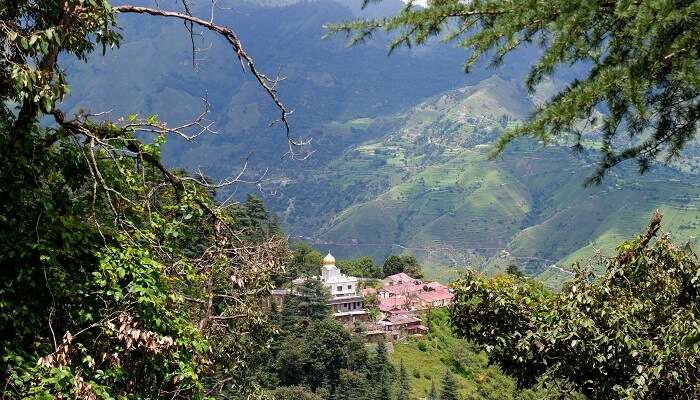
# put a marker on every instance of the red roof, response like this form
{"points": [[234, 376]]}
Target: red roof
{"points": [[394, 302], [403, 288], [399, 278], [435, 295]]}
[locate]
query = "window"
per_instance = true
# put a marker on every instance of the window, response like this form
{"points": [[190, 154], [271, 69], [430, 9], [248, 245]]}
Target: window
{"points": [[340, 288], [349, 286]]}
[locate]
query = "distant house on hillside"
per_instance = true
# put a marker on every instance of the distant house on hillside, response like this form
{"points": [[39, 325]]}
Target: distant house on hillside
{"points": [[402, 292], [434, 298], [399, 289], [393, 303], [408, 323]]}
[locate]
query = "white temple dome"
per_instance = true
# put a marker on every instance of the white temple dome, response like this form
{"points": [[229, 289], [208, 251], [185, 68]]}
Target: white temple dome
{"points": [[329, 259]]}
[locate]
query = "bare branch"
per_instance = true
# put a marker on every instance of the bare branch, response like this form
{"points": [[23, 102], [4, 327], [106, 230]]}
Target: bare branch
{"points": [[267, 83]]}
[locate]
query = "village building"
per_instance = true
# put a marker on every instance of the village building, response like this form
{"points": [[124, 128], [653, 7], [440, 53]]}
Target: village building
{"points": [[402, 292], [400, 278], [434, 298], [346, 303], [404, 323], [393, 303]]}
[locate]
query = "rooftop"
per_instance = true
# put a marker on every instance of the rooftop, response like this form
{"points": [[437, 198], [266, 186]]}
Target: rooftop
{"points": [[393, 302], [435, 295], [399, 278]]}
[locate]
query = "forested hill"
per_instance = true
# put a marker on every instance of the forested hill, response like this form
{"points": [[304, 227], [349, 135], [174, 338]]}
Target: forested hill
{"points": [[400, 142]]}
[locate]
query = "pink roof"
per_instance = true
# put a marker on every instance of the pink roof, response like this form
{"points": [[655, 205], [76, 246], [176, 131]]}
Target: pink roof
{"points": [[392, 303], [435, 295], [399, 278], [436, 286], [404, 288]]}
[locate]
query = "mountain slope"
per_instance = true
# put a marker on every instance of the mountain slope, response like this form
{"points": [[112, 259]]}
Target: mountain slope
{"points": [[427, 188]]}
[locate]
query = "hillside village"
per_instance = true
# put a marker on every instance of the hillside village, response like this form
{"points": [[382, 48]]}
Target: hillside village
{"points": [[385, 309]]}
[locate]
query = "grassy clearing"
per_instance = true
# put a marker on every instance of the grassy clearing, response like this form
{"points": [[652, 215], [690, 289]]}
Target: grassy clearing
{"points": [[428, 358]]}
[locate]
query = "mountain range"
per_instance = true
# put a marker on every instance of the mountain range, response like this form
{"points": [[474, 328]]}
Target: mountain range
{"points": [[401, 143]]}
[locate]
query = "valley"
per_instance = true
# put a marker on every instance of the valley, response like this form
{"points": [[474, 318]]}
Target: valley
{"points": [[398, 162]]}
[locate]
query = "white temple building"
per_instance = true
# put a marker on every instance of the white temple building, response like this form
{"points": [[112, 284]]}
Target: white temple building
{"points": [[339, 284], [346, 303]]}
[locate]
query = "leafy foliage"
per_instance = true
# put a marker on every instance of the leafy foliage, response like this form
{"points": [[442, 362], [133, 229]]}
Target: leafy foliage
{"points": [[408, 264], [362, 267], [121, 278], [305, 261], [641, 59], [633, 332]]}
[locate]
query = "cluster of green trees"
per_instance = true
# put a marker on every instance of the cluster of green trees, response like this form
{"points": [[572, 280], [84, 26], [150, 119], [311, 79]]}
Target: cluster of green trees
{"points": [[633, 332], [306, 262], [315, 357], [121, 277]]}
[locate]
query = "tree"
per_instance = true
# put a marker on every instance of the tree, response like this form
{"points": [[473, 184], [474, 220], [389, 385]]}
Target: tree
{"points": [[295, 393], [632, 332], [316, 355], [433, 394], [395, 264], [381, 371], [362, 266], [514, 269], [305, 260], [121, 277], [254, 220], [449, 387], [353, 385], [404, 388], [308, 302], [640, 62]]}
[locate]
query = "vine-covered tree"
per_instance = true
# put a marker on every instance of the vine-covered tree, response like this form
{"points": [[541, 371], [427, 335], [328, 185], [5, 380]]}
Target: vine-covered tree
{"points": [[640, 60], [633, 332], [121, 278]]}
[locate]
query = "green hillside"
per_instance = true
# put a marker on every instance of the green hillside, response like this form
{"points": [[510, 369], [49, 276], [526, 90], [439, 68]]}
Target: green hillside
{"points": [[427, 188], [428, 358]]}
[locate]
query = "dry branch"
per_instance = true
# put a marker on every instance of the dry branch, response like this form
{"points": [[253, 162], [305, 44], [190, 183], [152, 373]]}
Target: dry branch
{"points": [[267, 83]]}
